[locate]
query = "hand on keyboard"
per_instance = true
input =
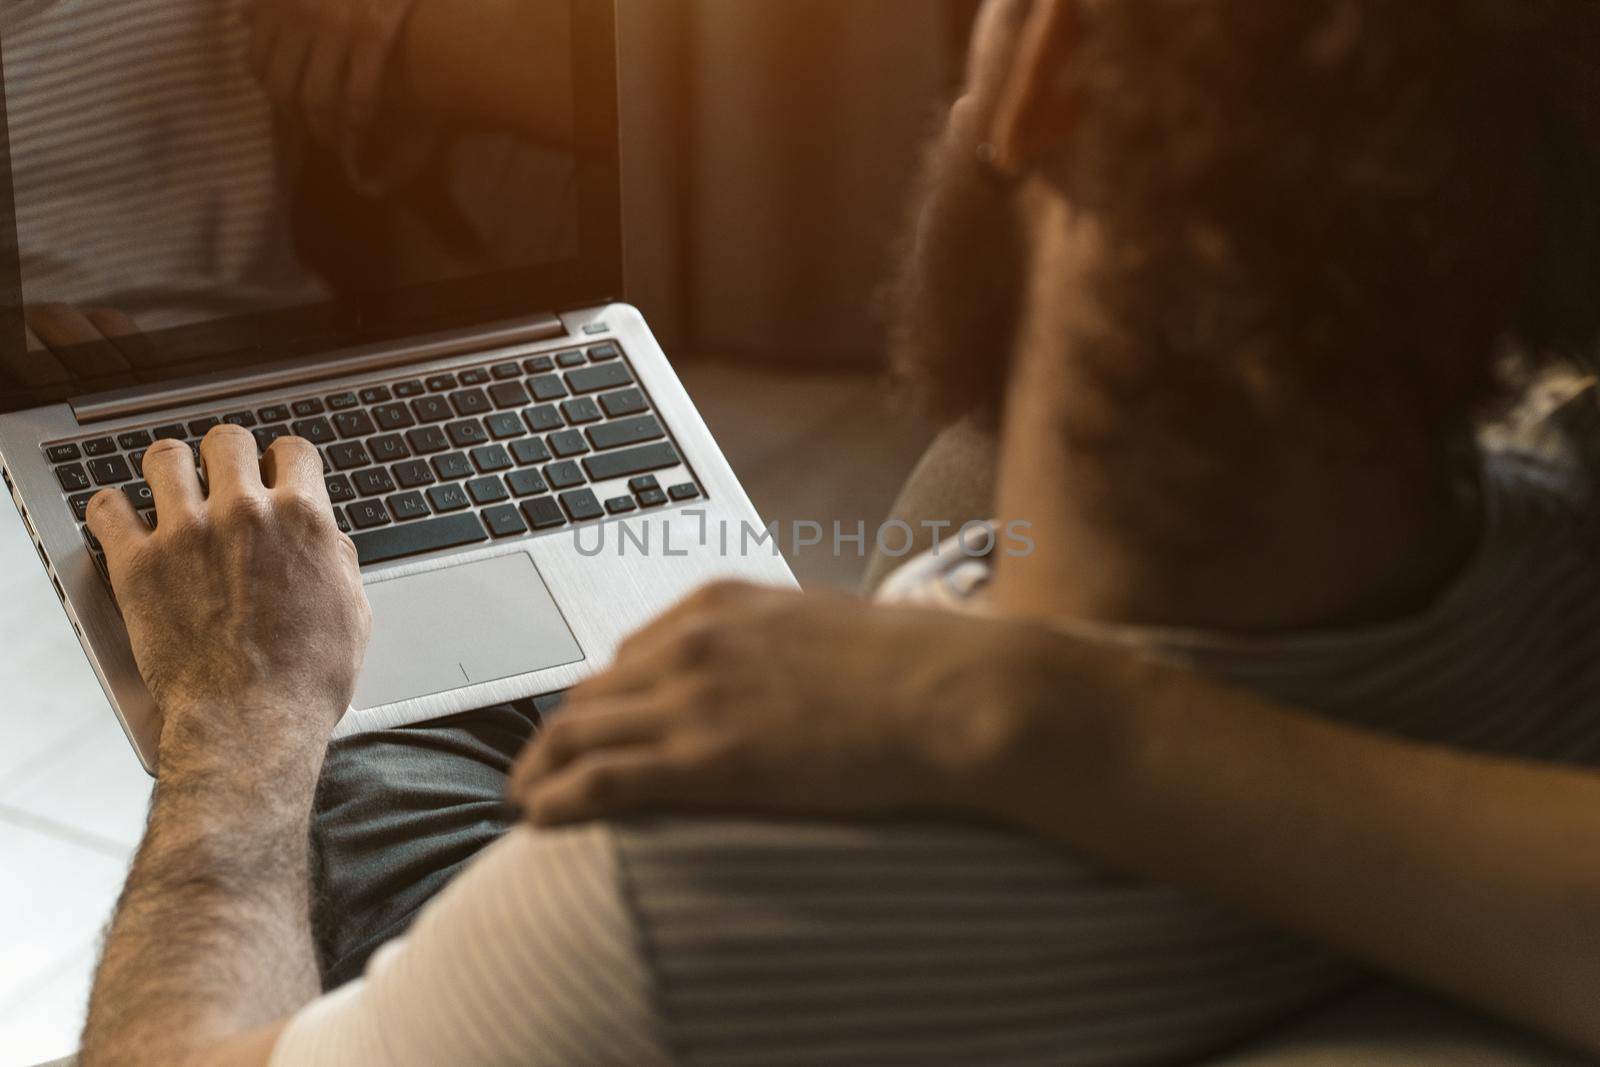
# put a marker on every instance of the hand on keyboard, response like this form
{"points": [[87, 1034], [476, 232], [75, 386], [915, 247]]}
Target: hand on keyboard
{"points": [[244, 606]]}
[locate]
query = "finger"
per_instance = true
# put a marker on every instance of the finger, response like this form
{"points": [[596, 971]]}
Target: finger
{"points": [[293, 465], [37, 366], [263, 40], [287, 64], [622, 782], [319, 86], [75, 340], [122, 332], [364, 86], [574, 735], [116, 525], [233, 467], [174, 485]]}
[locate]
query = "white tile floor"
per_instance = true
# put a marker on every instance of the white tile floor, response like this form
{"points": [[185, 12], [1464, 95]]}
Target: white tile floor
{"points": [[72, 797], [72, 802]]}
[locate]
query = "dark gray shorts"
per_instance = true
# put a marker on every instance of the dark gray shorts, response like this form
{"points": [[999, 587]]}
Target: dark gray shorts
{"points": [[399, 813]]}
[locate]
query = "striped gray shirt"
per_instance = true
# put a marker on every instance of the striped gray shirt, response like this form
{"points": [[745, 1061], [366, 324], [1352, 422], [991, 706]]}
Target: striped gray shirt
{"points": [[766, 942]]}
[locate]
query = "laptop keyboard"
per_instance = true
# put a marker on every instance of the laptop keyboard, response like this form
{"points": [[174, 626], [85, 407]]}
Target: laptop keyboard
{"points": [[418, 465]]}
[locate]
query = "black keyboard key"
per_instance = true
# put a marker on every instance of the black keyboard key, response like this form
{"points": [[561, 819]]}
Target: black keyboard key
{"points": [[543, 513], [275, 413], [526, 483], [567, 443], [453, 467], [339, 517], [426, 440], [393, 417], [112, 470], [132, 442], [318, 431], [342, 401], [634, 461], [354, 424], [80, 505], [487, 491], [348, 455], [265, 435], [626, 402], [475, 376], [243, 419], [581, 505], [389, 448], [467, 433], [504, 426], [604, 353], [686, 491], [539, 365], [92, 541], [563, 475], [63, 453], [446, 498], [172, 432], [570, 359], [470, 402], [529, 452], [305, 409], [149, 518], [505, 522], [415, 538], [407, 390], [543, 419], [625, 432], [582, 411], [509, 395], [327, 468], [506, 371], [376, 394], [200, 427], [374, 482], [596, 379], [621, 505], [340, 491], [413, 474], [408, 506], [652, 498], [431, 409], [136, 460], [100, 446], [442, 383], [492, 459], [139, 495], [546, 387], [368, 514]]}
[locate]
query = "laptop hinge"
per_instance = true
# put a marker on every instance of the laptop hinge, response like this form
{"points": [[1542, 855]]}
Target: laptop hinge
{"points": [[143, 399]]}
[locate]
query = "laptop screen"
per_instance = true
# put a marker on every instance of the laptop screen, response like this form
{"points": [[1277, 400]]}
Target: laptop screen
{"points": [[189, 187]]}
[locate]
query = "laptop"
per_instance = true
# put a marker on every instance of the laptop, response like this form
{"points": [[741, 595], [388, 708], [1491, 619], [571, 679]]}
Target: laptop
{"points": [[433, 304]]}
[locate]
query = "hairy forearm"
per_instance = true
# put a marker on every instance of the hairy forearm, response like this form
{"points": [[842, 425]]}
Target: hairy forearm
{"points": [[500, 64], [1476, 876], [211, 938]]}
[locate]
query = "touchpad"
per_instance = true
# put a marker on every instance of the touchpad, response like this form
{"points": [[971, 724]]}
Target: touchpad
{"points": [[461, 626]]}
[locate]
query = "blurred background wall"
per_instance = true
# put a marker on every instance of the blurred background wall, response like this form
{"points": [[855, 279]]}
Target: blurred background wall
{"points": [[768, 149]]}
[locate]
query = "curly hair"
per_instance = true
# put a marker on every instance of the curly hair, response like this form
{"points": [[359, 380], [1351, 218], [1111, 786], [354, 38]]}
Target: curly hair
{"points": [[1375, 203], [1385, 197]]}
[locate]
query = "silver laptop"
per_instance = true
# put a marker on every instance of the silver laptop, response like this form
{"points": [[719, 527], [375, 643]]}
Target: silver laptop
{"points": [[522, 471]]}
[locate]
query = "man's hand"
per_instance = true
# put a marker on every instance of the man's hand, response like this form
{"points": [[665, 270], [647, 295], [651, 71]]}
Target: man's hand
{"points": [[326, 58], [245, 608], [763, 700]]}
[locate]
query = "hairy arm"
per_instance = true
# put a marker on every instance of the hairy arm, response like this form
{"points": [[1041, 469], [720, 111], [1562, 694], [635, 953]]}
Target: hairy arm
{"points": [[1478, 877], [210, 947], [247, 618]]}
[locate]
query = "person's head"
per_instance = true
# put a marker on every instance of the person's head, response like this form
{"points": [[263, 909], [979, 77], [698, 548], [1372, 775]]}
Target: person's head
{"points": [[1235, 218]]}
